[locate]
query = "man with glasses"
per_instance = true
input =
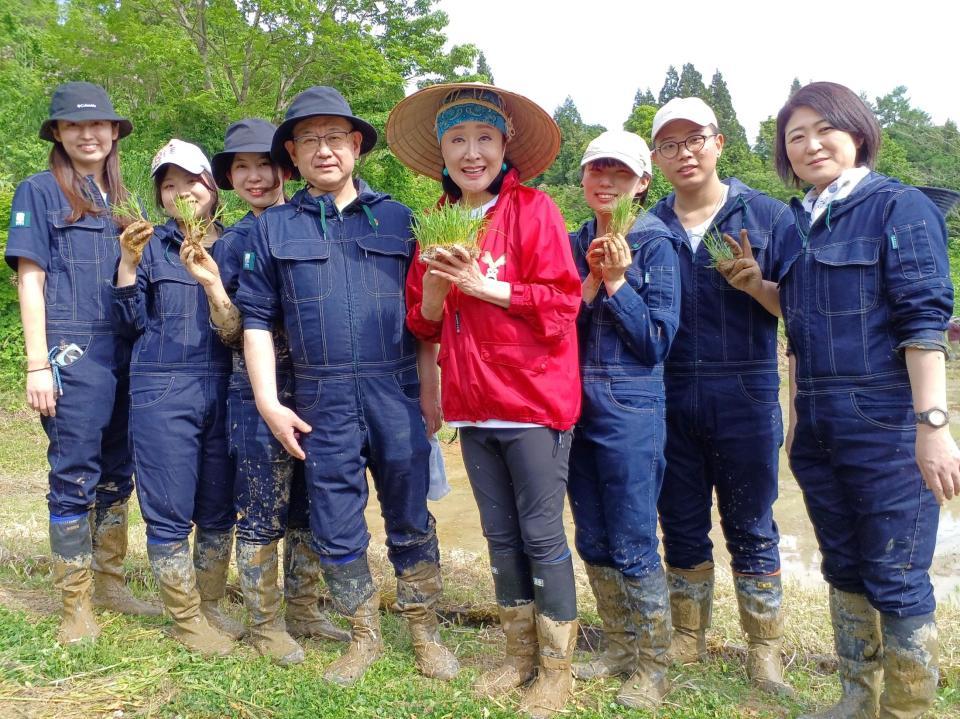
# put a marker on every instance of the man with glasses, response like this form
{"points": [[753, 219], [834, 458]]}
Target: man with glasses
{"points": [[724, 428], [332, 265]]}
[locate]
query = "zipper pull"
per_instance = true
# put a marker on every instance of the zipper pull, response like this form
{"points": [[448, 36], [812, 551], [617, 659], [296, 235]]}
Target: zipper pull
{"points": [[456, 320]]}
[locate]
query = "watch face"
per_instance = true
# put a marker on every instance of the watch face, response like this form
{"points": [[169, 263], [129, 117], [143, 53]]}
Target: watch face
{"points": [[937, 417]]}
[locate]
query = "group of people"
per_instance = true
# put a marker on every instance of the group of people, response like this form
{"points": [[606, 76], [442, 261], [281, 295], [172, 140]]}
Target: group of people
{"points": [[250, 377]]}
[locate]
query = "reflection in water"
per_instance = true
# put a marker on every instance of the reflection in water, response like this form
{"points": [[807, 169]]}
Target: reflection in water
{"points": [[458, 523]]}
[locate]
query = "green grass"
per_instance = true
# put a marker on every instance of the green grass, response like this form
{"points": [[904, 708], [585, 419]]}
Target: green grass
{"points": [[135, 670], [449, 224]]}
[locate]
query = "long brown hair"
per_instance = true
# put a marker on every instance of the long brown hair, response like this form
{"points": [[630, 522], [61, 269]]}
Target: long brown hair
{"points": [[74, 188]]}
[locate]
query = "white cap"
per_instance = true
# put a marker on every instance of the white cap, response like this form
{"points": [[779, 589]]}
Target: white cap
{"points": [[684, 108], [627, 147], [182, 154]]}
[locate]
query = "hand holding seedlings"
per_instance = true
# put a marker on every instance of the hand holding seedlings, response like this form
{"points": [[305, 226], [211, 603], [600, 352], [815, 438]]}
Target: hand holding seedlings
{"points": [[132, 241], [199, 263], [616, 260], [741, 270], [455, 265], [595, 255]]}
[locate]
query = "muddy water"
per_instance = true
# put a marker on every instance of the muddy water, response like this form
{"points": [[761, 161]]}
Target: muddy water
{"points": [[458, 522]]}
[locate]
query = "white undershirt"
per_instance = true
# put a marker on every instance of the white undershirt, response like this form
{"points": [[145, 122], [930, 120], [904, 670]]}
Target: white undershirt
{"points": [[491, 423], [696, 233]]}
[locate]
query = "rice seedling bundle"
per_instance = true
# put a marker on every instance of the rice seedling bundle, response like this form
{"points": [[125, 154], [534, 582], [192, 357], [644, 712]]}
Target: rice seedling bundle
{"points": [[448, 226]]}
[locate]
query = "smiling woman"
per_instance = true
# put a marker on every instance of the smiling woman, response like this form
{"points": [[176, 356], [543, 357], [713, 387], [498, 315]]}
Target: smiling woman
{"points": [[505, 324]]}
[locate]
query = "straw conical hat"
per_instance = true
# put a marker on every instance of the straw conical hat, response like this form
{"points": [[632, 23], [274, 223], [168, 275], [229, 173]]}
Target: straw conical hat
{"points": [[412, 135]]}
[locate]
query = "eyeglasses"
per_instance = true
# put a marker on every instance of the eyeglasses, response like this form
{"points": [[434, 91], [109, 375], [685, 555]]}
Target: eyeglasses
{"points": [[669, 150], [311, 143]]}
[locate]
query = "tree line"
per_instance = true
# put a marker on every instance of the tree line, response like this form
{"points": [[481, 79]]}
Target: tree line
{"points": [[187, 68]]}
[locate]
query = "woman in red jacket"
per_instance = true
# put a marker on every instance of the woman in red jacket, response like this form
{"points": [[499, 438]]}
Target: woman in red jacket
{"points": [[508, 353]]}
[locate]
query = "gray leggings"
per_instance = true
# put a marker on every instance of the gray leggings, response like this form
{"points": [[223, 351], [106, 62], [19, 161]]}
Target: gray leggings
{"points": [[519, 479]]}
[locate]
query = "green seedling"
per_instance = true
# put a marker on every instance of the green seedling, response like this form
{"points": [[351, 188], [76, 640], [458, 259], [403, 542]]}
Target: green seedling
{"points": [[717, 248], [448, 226], [623, 214]]}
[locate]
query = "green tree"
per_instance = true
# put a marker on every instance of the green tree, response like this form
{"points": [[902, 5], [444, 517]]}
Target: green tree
{"points": [[643, 97], [691, 83], [722, 104], [483, 69], [575, 135], [670, 88], [641, 121], [794, 87]]}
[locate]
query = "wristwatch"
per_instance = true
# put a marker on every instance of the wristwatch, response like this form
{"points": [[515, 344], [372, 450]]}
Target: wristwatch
{"points": [[934, 417]]}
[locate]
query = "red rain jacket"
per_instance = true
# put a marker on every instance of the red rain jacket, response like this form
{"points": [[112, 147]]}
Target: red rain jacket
{"points": [[518, 364]]}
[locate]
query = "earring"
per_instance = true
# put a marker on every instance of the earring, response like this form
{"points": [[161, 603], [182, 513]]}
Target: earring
{"points": [[445, 172], [503, 167]]}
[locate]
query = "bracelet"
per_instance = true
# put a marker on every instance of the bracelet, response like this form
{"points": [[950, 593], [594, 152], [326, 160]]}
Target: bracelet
{"points": [[39, 369]]}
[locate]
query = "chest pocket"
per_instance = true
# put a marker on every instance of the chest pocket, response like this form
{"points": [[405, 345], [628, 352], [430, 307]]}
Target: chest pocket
{"points": [[759, 239], [82, 241], [305, 264], [384, 264], [848, 276], [176, 290]]}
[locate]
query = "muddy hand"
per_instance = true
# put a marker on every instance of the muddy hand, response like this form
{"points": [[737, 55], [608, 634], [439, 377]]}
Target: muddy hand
{"points": [[199, 263], [743, 271], [134, 238]]}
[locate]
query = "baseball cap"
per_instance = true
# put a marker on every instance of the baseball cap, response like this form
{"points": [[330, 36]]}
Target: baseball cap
{"points": [[627, 147], [182, 154], [683, 108]]}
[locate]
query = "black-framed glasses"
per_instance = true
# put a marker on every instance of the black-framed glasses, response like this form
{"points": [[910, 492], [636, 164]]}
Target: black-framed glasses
{"points": [[311, 143], [669, 149]]}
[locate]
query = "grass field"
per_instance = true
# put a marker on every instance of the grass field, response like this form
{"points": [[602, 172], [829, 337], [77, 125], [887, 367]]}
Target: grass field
{"points": [[134, 670]]}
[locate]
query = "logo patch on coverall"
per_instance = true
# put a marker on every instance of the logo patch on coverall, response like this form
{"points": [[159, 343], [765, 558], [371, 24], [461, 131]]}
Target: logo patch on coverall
{"points": [[249, 260], [20, 219]]}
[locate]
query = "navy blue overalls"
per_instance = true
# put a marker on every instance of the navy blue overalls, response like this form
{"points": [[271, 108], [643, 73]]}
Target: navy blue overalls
{"points": [[336, 278], [616, 460], [178, 396], [871, 278], [269, 490], [88, 454], [724, 425]]}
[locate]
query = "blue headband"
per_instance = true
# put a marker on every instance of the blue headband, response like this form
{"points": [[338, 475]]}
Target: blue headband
{"points": [[469, 112]]}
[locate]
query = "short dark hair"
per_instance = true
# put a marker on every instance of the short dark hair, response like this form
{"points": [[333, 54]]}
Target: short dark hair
{"points": [[602, 163], [455, 193], [205, 177], [839, 106]]}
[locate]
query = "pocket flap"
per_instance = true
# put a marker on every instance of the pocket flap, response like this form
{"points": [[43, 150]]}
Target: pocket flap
{"points": [[531, 358], [166, 272], [308, 248], [61, 220], [859, 251], [385, 245]]}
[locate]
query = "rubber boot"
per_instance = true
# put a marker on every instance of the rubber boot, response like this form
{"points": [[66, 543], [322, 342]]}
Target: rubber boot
{"points": [[513, 585], [108, 526], [553, 687], [257, 566], [174, 571], [211, 558], [910, 666], [649, 602], [856, 636], [620, 655], [556, 601], [301, 589], [418, 591], [354, 596], [760, 599], [691, 607], [71, 547]]}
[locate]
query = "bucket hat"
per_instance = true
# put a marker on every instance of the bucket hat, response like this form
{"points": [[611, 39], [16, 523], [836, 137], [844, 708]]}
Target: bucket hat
{"points": [[79, 101], [247, 135], [412, 135], [317, 100]]}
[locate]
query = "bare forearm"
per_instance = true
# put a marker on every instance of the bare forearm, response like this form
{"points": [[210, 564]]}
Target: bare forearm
{"points": [[33, 315], [591, 286], [126, 273], [928, 378], [769, 297], [224, 315]]}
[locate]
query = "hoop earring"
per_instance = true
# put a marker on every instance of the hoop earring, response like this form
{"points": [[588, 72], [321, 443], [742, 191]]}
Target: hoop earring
{"points": [[445, 172]]}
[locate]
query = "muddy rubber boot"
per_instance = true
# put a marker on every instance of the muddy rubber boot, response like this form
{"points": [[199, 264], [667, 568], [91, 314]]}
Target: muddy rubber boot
{"points": [[760, 600], [173, 568], [553, 687], [71, 549], [691, 607], [257, 566], [301, 589], [418, 591], [555, 597], [520, 660], [211, 559], [620, 655], [910, 666], [108, 526], [354, 595], [649, 603], [856, 636]]}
